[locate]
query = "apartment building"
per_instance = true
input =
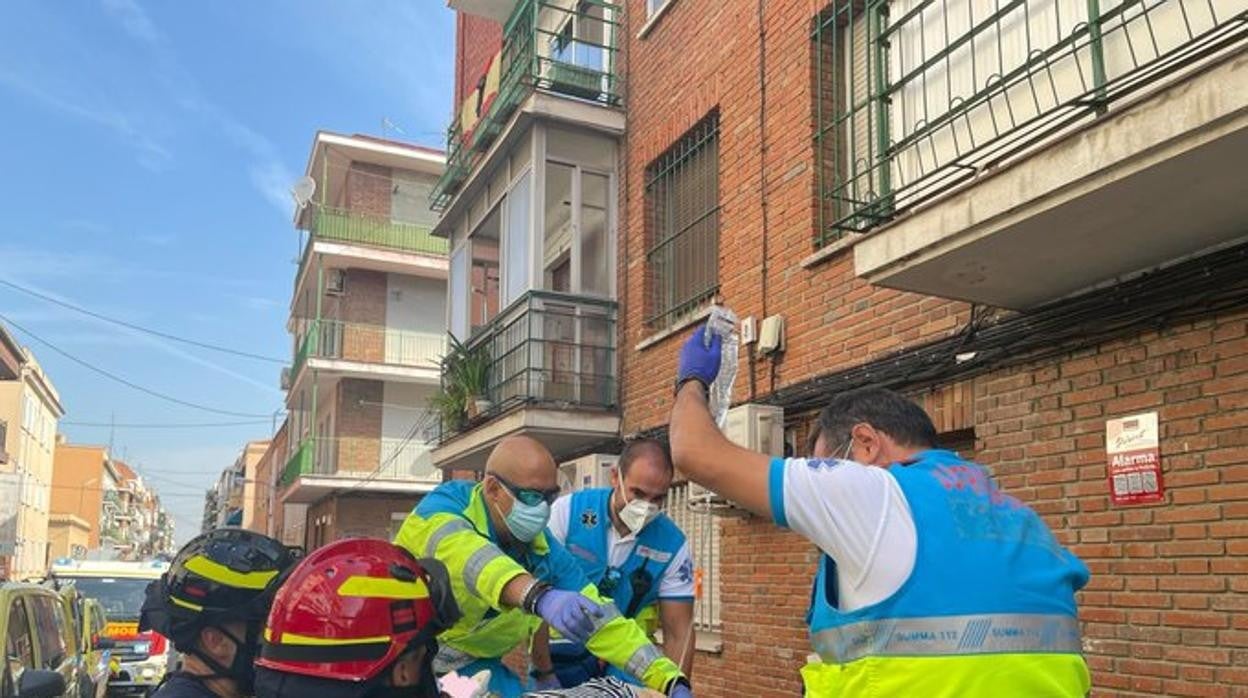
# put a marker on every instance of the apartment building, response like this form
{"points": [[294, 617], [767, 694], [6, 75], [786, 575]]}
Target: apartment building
{"points": [[30, 408], [78, 475], [266, 516], [1026, 216], [529, 207], [133, 524], [367, 319]]}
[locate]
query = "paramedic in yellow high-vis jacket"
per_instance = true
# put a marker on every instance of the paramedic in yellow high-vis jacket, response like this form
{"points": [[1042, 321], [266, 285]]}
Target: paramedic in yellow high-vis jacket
{"points": [[508, 575]]}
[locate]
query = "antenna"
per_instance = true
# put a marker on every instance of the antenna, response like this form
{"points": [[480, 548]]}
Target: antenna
{"points": [[388, 125], [303, 190]]}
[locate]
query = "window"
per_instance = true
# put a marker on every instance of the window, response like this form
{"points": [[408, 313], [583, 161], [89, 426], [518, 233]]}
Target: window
{"points": [[703, 534], [20, 647], [50, 623], [848, 118], [484, 279], [516, 237], [682, 210]]}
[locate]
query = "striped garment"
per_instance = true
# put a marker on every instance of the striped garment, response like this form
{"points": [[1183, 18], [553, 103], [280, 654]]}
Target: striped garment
{"points": [[597, 688]]}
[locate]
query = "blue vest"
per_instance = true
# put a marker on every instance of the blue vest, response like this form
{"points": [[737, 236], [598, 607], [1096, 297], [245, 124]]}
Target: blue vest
{"points": [[589, 519], [989, 577]]}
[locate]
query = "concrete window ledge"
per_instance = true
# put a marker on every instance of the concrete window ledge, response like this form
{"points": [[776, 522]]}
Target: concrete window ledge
{"points": [[654, 18], [674, 329], [829, 251]]}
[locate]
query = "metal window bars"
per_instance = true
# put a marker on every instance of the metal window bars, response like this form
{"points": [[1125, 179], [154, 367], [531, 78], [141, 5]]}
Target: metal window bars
{"points": [[702, 532], [682, 225], [914, 97]]}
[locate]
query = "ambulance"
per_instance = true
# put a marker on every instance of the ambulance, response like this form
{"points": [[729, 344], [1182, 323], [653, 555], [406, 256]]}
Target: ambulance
{"points": [[140, 659]]}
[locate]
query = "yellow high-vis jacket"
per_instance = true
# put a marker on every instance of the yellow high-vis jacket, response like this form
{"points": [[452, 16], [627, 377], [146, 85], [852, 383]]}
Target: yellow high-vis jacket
{"points": [[451, 524]]}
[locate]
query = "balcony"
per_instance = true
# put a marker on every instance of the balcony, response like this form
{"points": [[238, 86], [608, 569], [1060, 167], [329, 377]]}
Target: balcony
{"points": [[1012, 154], [338, 225], [369, 351], [564, 48], [552, 375], [325, 465]]}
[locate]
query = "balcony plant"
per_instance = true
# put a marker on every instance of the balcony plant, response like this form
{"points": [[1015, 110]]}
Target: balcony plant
{"points": [[465, 382]]}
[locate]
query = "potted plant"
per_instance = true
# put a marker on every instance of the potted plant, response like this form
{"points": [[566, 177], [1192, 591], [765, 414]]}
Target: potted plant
{"points": [[450, 407], [465, 381], [470, 371]]}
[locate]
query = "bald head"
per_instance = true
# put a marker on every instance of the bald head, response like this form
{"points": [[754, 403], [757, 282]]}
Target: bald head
{"points": [[524, 461]]}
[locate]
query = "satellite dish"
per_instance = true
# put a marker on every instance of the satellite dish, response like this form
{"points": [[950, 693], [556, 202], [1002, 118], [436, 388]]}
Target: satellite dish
{"points": [[303, 190]]}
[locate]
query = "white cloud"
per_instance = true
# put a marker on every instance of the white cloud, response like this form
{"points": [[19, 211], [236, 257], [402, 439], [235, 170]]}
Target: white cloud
{"points": [[75, 102], [133, 19]]}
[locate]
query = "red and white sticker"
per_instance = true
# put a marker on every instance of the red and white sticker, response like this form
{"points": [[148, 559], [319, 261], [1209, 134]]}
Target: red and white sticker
{"points": [[1133, 446]]}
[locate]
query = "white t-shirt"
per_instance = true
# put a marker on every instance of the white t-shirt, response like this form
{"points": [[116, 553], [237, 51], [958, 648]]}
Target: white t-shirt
{"points": [[856, 514], [677, 582]]}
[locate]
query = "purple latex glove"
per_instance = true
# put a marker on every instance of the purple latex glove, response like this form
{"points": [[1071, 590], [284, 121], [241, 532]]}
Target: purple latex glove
{"points": [[681, 691], [699, 359], [548, 683], [569, 612]]}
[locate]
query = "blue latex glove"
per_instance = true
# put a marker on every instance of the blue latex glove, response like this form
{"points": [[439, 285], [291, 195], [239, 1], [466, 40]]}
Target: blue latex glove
{"points": [[697, 360], [681, 691], [569, 612]]}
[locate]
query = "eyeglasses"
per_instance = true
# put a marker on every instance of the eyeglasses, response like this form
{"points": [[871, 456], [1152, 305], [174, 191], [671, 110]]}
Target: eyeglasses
{"points": [[528, 495]]}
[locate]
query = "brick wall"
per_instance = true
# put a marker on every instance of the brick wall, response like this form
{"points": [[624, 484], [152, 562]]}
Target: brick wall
{"points": [[1167, 610], [834, 320], [477, 39], [359, 424], [363, 307], [367, 516], [369, 189]]}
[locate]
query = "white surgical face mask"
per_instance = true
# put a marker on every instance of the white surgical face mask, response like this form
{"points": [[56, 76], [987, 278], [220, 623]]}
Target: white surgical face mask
{"points": [[637, 513]]}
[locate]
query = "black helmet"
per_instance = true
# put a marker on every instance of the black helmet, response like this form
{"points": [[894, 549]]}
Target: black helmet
{"points": [[224, 575]]}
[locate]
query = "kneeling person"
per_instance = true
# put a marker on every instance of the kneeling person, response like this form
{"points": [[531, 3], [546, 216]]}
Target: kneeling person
{"points": [[357, 619], [633, 553], [212, 603]]}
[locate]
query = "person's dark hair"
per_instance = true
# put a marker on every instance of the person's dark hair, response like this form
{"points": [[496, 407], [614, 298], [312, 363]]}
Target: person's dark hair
{"points": [[883, 409], [645, 447]]}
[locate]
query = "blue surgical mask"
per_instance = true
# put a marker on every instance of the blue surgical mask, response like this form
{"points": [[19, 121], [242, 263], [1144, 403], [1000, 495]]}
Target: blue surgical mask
{"points": [[525, 521]]}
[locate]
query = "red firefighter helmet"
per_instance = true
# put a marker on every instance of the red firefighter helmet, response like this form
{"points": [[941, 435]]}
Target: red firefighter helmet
{"points": [[353, 607]]}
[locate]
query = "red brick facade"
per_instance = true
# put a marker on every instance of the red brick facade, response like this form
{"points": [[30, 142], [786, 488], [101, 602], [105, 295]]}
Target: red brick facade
{"points": [[1166, 612], [355, 516], [358, 432], [476, 41], [369, 188]]}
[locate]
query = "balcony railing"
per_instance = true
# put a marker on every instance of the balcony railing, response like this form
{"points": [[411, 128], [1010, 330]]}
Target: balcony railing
{"points": [[549, 348], [403, 459], [565, 47], [914, 97], [339, 225], [374, 344]]}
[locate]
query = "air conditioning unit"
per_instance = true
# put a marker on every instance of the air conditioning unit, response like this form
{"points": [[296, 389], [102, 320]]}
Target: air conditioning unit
{"points": [[586, 472], [755, 427], [336, 282], [286, 378]]}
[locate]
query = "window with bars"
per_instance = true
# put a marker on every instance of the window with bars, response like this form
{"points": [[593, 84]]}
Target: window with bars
{"points": [[913, 98], [682, 211], [848, 118], [702, 532]]}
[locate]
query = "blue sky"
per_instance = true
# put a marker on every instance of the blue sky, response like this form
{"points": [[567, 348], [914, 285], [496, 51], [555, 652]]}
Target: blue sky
{"points": [[146, 153]]}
